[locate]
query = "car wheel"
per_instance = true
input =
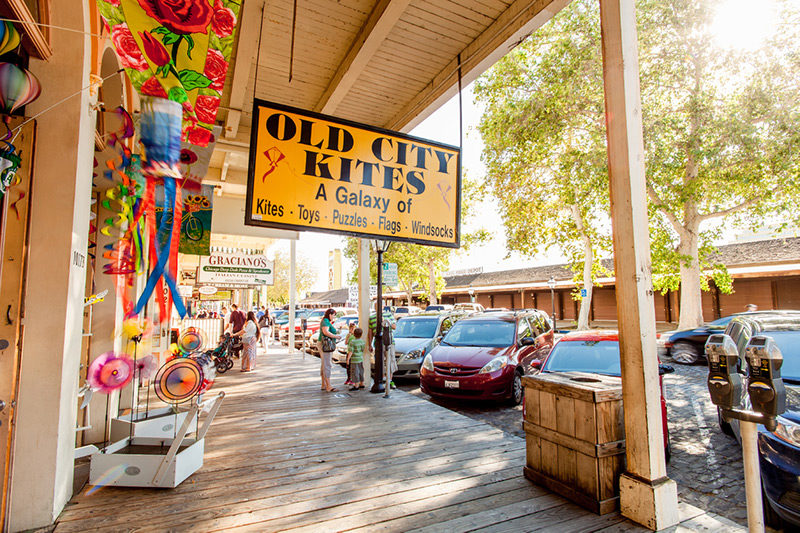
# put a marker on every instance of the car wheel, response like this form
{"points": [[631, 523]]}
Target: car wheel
{"points": [[724, 426], [684, 353], [517, 391], [668, 450]]}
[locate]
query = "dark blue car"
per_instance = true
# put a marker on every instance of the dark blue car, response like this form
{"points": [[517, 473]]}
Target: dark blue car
{"points": [[779, 451], [687, 346]]}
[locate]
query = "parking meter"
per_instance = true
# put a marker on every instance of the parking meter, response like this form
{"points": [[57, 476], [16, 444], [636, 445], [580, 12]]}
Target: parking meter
{"points": [[386, 333], [724, 381], [303, 323], [765, 386]]}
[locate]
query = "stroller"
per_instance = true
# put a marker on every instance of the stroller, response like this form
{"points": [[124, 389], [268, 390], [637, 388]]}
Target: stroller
{"points": [[223, 353]]}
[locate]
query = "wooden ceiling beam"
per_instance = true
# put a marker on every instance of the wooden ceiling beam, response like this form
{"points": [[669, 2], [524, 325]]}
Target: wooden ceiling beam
{"points": [[383, 18], [249, 27], [521, 19]]}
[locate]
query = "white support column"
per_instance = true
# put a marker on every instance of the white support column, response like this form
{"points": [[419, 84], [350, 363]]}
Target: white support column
{"points": [[41, 479], [647, 495], [292, 291], [363, 301]]}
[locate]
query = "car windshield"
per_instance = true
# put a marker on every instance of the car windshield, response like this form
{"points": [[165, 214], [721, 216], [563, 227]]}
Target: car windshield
{"points": [[435, 308], [316, 314], [416, 328], [598, 357], [789, 344], [721, 322], [489, 333]]}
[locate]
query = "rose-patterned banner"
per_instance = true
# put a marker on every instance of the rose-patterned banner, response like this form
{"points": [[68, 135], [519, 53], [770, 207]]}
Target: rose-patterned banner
{"points": [[176, 49]]}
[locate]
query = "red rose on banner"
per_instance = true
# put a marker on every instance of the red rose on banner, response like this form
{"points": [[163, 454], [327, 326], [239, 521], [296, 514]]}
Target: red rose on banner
{"points": [[114, 3], [216, 69], [152, 87], [154, 49], [199, 136], [206, 108], [223, 21], [127, 50], [180, 16]]}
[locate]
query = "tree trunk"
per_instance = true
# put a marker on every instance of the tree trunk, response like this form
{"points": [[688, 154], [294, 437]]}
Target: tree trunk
{"points": [[588, 260], [691, 304], [432, 299], [409, 292]]}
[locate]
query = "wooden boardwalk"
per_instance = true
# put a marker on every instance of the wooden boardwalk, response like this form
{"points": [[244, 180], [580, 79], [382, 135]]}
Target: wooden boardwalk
{"points": [[282, 455]]}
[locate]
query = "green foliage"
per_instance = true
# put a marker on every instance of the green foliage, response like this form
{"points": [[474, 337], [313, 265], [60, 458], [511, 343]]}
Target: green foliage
{"points": [[306, 277], [544, 138]]}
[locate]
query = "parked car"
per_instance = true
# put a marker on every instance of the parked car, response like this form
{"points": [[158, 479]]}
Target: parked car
{"points": [[687, 346], [484, 356], [597, 352], [313, 317], [779, 451], [416, 336], [438, 307], [469, 306], [406, 310], [284, 319]]}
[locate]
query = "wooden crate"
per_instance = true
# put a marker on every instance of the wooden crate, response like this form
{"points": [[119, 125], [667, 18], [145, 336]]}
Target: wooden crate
{"points": [[575, 437]]}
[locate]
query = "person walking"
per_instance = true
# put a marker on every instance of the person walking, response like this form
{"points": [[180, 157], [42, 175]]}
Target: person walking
{"points": [[235, 324], [249, 335], [326, 344], [264, 327]]}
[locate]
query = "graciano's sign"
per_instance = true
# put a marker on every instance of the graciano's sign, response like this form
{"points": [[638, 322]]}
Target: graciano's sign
{"points": [[315, 172], [235, 270]]}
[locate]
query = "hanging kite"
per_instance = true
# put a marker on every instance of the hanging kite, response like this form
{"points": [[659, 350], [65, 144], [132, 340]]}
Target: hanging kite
{"points": [[176, 50], [18, 87]]}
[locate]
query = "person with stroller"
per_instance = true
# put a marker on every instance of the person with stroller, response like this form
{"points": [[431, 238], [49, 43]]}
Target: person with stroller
{"points": [[326, 344], [249, 335]]}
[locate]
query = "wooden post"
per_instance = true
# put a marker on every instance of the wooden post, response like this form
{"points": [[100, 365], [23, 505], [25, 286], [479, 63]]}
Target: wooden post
{"points": [[647, 495], [363, 299]]}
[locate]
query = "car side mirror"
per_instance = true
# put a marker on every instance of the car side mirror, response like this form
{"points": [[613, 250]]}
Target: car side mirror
{"points": [[665, 369], [527, 341], [439, 339], [536, 363]]}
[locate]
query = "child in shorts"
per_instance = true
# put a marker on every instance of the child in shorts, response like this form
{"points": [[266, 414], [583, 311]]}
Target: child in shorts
{"points": [[351, 328], [355, 357]]}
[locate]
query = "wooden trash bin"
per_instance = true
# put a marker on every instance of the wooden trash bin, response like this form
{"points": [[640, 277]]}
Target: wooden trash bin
{"points": [[575, 437]]}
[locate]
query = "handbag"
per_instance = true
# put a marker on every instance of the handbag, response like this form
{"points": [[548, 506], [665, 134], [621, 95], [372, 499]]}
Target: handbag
{"points": [[328, 344]]}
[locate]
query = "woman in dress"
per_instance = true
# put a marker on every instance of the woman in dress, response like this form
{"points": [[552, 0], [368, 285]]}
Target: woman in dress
{"points": [[249, 335], [326, 329]]}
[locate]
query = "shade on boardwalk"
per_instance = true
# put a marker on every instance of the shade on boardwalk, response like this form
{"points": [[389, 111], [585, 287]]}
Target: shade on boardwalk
{"points": [[282, 455]]}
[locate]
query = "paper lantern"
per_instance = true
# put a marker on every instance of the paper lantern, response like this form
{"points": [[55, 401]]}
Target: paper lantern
{"points": [[18, 87]]}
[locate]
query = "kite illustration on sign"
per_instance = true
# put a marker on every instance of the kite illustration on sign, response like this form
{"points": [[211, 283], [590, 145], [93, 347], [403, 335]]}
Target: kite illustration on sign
{"points": [[176, 50]]}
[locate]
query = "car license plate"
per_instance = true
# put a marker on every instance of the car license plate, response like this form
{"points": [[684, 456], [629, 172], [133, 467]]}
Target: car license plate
{"points": [[450, 384]]}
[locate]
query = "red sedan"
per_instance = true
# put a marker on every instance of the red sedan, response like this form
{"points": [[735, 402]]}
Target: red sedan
{"points": [[597, 352], [484, 357]]}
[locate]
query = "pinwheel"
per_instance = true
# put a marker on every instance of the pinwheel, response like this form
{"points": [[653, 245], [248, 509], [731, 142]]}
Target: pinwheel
{"points": [[190, 341], [178, 380], [109, 372], [146, 367]]}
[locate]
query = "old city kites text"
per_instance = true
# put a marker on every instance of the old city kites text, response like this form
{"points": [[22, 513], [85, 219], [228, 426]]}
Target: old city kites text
{"points": [[314, 172]]}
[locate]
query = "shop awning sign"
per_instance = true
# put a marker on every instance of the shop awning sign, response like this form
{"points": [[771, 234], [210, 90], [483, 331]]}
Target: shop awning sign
{"points": [[314, 172], [233, 270]]}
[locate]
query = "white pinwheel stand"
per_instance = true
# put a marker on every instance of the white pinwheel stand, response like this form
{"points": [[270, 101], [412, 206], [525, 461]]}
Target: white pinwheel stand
{"points": [[155, 462], [156, 423]]}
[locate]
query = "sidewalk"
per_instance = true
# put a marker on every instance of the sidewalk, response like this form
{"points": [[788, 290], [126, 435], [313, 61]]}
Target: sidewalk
{"points": [[283, 455]]}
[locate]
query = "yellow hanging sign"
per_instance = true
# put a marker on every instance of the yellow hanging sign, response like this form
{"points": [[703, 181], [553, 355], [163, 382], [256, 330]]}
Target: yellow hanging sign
{"points": [[314, 172]]}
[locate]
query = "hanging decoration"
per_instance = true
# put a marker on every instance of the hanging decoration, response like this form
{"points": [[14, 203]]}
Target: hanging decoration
{"points": [[195, 225], [109, 372], [176, 50], [178, 380], [9, 37], [18, 87], [160, 134]]}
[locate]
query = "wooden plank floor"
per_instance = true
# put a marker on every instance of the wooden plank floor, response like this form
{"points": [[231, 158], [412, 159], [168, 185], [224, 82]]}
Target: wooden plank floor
{"points": [[283, 455]]}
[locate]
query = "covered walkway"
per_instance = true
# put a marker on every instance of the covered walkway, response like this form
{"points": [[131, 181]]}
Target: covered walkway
{"points": [[282, 455]]}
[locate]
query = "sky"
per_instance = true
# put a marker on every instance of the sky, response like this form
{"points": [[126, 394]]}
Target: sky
{"points": [[441, 126]]}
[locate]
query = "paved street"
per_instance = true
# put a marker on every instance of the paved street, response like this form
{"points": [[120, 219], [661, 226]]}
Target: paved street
{"points": [[706, 464]]}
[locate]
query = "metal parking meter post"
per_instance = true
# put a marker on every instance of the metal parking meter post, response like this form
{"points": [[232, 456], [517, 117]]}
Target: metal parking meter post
{"points": [[386, 340], [752, 476], [304, 326]]}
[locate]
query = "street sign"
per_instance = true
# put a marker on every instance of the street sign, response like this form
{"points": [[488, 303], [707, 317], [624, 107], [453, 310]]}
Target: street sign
{"points": [[352, 292], [584, 293], [390, 274]]}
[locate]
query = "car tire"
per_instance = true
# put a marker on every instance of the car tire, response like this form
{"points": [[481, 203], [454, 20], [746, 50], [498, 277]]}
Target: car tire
{"points": [[517, 392], [725, 427], [684, 353], [668, 450], [771, 518]]}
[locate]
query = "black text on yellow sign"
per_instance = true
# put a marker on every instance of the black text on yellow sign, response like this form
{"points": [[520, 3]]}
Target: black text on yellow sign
{"points": [[314, 172]]}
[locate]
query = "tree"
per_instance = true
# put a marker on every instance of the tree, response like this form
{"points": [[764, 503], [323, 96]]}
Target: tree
{"points": [[721, 130], [721, 136], [543, 130], [305, 277]]}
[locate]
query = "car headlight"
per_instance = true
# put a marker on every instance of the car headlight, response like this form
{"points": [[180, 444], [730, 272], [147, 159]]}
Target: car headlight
{"points": [[495, 364], [415, 354], [788, 431], [427, 363]]}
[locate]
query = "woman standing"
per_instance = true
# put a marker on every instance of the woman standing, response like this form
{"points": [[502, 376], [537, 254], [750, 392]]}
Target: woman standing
{"points": [[249, 335], [327, 344]]}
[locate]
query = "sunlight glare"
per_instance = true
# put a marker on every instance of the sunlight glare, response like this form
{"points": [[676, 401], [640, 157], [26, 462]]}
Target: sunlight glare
{"points": [[744, 24]]}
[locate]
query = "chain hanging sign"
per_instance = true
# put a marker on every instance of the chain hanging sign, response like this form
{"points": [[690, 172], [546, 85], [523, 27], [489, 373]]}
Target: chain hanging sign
{"points": [[314, 172]]}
